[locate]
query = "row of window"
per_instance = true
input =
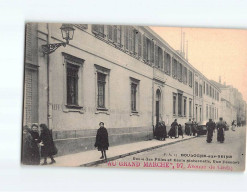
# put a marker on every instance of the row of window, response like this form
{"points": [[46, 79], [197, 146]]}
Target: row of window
{"points": [[72, 88], [212, 112], [140, 46], [208, 90], [180, 105], [102, 77]]}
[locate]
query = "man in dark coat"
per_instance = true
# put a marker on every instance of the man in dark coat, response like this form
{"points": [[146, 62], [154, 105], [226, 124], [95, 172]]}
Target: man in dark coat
{"points": [[102, 142], [188, 128], [221, 127], [210, 129], [174, 129]]}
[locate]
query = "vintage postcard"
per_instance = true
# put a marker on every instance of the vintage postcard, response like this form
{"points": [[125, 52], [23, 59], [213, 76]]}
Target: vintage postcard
{"points": [[117, 96]]}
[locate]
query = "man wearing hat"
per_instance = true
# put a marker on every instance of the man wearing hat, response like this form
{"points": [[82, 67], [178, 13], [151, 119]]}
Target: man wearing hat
{"points": [[210, 129]]}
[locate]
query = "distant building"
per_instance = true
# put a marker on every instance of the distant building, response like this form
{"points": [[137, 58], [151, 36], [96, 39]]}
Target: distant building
{"points": [[232, 104]]}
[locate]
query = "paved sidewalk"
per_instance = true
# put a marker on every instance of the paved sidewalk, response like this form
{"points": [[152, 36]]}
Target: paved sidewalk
{"points": [[92, 157]]}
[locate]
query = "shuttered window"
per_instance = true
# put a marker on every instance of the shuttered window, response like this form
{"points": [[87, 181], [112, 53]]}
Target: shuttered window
{"points": [[167, 63], [109, 31], [156, 56], [174, 68], [185, 75], [115, 34], [144, 42], [126, 37], [190, 78], [139, 44], [160, 58], [98, 30], [196, 88], [190, 108], [200, 90], [180, 104], [119, 35], [174, 100], [185, 106]]}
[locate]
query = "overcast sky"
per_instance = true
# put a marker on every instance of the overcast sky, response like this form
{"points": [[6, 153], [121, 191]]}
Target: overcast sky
{"points": [[214, 52]]}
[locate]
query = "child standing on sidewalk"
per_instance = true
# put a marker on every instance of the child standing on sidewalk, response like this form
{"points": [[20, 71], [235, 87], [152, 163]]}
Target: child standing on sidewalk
{"points": [[102, 142]]}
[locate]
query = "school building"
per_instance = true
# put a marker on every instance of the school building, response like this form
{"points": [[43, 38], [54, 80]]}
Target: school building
{"points": [[126, 76]]}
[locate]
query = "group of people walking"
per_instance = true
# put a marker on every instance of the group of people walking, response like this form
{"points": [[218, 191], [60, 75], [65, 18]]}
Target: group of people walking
{"points": [[160, 132], [35, 145], [220, 127]]}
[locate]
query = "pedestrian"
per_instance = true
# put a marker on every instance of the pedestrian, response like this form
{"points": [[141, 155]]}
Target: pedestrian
{"points": [[194, 128], [48, 148], [180, 131], [26, 146], [233, 125], [174, 130], [163, 128], [221, 127], [188, 128], [210, 125], [35, 136], [102, 142], [157, 131]]}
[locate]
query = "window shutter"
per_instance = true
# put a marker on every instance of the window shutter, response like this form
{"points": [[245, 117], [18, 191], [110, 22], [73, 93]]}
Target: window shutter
{"points": [[139, 44], [119, 35], [131, 39], [95, 28], [168, 63], [144, 47], [152, 51], [165, 61], [126, 42], [29, 55], [109, 29], [115, 32], [156, 56]]}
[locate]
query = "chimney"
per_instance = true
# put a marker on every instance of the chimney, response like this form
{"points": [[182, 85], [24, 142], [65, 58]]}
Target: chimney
{"points": [[220, 79]]}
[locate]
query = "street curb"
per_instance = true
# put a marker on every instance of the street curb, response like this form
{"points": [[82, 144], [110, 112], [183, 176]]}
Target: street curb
{"points": [[131, 153]]}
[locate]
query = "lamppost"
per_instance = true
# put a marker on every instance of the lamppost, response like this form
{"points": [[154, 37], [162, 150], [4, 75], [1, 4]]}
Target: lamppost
{"points": [[67, 31]]}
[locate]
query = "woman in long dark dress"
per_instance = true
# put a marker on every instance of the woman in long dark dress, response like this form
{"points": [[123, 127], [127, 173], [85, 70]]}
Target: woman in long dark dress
{"points": [[102, 142], [35, 136], [221, 127], [174, 130], [180, 131], [163, 130], [48, 148]]}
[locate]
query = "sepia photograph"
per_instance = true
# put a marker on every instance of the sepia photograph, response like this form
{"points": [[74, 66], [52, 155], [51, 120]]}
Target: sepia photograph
{"points": [[126, 96]]}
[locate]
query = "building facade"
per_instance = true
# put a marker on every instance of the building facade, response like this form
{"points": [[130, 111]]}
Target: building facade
{"points": [[126, 76], [233, 107]]}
